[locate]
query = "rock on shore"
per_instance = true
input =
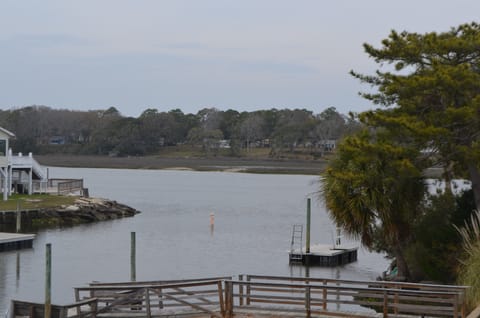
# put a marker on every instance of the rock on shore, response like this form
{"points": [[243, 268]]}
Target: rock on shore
{"points": [[94, 209], [84, 210]]}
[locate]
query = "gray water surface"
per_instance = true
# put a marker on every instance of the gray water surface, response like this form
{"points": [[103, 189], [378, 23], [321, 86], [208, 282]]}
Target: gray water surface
{"points": [[254, 215]]}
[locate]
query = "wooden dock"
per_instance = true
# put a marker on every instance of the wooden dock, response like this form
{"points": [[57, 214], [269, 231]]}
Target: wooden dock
{"points": [[257, 296], [338, 253], [15, 241], [325, 255]]}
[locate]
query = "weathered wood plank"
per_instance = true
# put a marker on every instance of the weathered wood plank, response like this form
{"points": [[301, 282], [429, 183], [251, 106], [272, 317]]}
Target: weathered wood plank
{"points": [[382, 284], [200, 308], [475, 313]]}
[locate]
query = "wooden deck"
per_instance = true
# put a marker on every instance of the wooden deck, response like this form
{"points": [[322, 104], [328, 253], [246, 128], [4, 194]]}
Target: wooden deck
{"points": [[259, 296], [14, 241]]}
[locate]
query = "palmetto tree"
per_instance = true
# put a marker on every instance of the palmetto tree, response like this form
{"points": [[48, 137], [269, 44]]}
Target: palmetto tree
{"points": [[372, 189]]}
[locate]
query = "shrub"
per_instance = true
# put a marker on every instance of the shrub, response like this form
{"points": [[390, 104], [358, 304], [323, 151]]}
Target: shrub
{"points": [[469, 268]]}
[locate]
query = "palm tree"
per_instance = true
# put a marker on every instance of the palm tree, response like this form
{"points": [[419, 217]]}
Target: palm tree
{"points": [[372, 189]]}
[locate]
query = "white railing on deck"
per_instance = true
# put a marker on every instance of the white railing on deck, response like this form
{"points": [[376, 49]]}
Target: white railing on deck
{"points": [[28, 161]]}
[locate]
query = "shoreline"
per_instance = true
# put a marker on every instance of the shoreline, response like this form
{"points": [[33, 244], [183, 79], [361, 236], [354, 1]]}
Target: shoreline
{"points": [[82, 210], [224, 164]]}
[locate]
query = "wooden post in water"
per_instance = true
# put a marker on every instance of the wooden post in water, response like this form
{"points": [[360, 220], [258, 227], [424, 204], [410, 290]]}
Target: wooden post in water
{"points": [[19, 217], [48, 281], [17, 267], [133, 269], [307, 237]]}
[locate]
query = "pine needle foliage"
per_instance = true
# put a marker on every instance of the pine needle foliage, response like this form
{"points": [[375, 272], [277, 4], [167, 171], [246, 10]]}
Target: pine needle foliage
{"points": [[431, 84]]}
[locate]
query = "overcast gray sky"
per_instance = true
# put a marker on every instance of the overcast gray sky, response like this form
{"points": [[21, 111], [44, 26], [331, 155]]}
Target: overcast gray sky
{"points": [[192, 54]]}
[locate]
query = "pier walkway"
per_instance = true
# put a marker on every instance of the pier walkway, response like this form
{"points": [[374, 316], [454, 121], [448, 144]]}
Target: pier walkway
{"points": [[257, 296]]}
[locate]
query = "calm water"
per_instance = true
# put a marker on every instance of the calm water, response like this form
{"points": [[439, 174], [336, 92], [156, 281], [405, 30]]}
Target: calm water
{"points": [[253, 219]]}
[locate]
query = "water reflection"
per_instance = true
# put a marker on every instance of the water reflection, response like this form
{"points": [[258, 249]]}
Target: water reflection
{"points": [[17, 267], [212, 223]]}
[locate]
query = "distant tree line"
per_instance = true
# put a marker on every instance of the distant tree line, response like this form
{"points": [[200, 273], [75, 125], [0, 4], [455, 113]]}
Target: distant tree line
{"points": [[41, 129]]}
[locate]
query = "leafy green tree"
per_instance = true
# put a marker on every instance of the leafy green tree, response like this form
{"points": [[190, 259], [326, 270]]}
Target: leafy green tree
{"points": [[208, 138], [372, 189], [434, 254], [149, 112], [251, 130], [431, 83], [329, 125], [229, 122], [210, 118], [120, 137], [160, 129], [112, 111], [184, 123], [270, 118], [291, 129]]}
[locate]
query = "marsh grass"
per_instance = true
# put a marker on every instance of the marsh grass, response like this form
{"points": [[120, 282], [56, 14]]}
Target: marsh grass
{"points": [[469, 270]]}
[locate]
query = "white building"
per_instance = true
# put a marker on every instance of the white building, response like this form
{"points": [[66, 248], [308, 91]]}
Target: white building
{"points": [[19, 169], [5, 167]]}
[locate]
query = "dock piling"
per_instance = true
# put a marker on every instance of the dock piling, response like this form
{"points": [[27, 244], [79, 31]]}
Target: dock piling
{"points": [[307, 238], [19, 217], [48, 281], [133, 269], [17, 269]]}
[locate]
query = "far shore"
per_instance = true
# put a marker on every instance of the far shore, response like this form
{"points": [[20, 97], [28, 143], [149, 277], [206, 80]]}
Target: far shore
{"points": [[227, 164]]}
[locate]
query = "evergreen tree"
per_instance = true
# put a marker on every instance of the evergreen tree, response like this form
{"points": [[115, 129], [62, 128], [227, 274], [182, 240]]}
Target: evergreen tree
{"points": [[431, 83]]}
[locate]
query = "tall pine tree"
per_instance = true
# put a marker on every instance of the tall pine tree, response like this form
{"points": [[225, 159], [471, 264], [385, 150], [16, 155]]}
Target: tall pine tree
{"points": [[430, 86]]}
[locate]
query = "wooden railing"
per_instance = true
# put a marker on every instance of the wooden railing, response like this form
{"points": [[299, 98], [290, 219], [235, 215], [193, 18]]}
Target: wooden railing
{"points": [[223, 297], [199, 296], [160, 282], [314, 295], [29, 309], [65, 186]]}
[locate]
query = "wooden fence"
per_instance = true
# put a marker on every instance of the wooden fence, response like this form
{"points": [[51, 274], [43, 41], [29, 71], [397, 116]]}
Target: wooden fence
{"points": [[320, 296], [148, 299], [223, 297]]}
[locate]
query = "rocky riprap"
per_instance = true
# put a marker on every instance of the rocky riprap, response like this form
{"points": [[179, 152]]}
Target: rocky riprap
{"points": [[96, 209], [84, 210]]}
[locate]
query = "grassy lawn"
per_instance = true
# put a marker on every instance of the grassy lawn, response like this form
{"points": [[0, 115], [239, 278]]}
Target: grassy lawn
{"points": [[35, 201]]}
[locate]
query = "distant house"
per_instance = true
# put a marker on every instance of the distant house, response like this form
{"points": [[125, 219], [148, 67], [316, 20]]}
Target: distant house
{"points": [[5, 170], [327, 145], [224, 143], [57, 140], [17, 170]]}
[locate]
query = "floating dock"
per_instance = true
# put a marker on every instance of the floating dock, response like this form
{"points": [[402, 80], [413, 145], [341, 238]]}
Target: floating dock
{"points": [[325, 255], [15, 241], [338, 253]]}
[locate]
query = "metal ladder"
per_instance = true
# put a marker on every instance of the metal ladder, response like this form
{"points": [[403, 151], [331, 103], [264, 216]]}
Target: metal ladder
{"points": [[297, 240]]}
